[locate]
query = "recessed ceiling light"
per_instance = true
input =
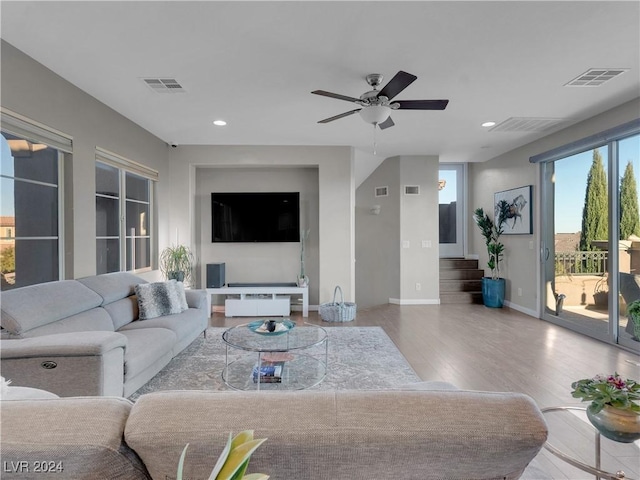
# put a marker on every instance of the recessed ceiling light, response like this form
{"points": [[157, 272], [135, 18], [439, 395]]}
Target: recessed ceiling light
{"points": [[219, 123], [488, 124]]}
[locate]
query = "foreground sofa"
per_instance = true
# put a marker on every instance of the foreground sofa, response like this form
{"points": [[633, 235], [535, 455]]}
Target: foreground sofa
{"points": [[312, 435], [83, 337]]}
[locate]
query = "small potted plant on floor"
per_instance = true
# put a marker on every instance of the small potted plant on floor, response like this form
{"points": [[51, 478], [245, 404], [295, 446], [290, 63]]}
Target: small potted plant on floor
{"points": [[614, 408], [493, 287], [633, 315], [176, 262]]}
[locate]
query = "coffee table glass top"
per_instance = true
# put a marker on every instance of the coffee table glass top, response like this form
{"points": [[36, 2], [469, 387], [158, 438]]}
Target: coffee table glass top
{"points": [[299, 337], [574, 440]]}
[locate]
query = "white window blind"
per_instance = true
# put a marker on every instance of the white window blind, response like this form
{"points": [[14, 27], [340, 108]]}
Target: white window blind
{"points": [[33, 131], [118, 161]]}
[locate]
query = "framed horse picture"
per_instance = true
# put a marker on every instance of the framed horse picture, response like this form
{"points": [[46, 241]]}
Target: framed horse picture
{"points": [[519, 218]]}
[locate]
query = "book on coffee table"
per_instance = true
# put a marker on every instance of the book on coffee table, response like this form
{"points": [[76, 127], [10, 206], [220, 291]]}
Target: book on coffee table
{"points": [[270, 372]]}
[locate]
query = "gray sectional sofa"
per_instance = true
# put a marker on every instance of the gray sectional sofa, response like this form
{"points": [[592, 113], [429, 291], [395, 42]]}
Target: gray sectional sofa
{"points": [[83, 337], [312, 435]]}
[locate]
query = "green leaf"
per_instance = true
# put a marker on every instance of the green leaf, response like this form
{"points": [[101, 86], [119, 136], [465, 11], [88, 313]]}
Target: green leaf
{"points": [[237, 457], [221, 460], [181, 462], [256, 476]]}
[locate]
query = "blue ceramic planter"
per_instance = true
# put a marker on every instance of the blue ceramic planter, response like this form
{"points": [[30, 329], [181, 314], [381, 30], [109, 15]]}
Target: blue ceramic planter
{"points": [[493, 292]]}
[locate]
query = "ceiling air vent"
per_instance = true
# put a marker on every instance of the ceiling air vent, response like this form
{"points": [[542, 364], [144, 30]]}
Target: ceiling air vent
{"points": [[381, 191], [595, 77], [164, 85], [412, 189], [527, 124]]}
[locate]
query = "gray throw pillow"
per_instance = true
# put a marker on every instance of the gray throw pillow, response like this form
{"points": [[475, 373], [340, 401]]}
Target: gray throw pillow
{"points": [[160, 298]]}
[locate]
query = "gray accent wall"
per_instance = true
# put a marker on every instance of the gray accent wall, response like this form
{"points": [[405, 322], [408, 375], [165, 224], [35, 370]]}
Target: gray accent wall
{"points": [[390, 257], [334, 228], [32, 90], [259, 262]]}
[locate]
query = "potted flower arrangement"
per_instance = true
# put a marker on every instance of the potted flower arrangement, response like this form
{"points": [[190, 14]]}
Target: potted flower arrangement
{"points": [[176, 262], [614, 408], [633, 313], [493, 287]]}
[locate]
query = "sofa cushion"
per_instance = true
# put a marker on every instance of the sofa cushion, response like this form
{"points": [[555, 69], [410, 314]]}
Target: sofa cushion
{"points": [[35, 305], [82, 437], [160, 298], [186, 326], [409, 435], [123, 311], [112, 286], [144, 347], [94, 320]]}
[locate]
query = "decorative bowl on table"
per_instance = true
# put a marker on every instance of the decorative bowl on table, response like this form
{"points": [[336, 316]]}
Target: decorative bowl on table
{"points": [[271, 327]]}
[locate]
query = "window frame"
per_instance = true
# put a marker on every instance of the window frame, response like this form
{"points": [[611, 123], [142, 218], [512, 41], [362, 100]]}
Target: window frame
{"points": [[17, 125], [125, 166]]}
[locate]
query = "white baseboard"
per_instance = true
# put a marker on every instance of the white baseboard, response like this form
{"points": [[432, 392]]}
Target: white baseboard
{"points": [[526, 311], [421, 301], [472, 256], [298, 308]]}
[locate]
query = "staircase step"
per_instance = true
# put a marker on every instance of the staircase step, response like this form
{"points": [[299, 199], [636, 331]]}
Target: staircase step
{"points": [[461, 286], [460, 298], [458, 263], [461, 274]]}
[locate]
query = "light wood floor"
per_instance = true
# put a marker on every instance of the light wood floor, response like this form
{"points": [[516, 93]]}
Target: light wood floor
{"points": [[478, 348]]}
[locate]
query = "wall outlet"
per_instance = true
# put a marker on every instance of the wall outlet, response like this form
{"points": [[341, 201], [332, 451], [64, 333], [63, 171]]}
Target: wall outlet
{"points": [[426, 243], [519, 292], [405, 244], [418, 287]]}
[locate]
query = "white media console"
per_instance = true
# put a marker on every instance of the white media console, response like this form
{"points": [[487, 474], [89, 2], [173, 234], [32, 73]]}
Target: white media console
{"points": [[256, 300]]}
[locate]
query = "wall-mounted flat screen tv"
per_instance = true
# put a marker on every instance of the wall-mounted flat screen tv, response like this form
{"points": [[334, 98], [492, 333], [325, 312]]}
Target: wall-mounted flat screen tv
{"points": [[255, 217]]}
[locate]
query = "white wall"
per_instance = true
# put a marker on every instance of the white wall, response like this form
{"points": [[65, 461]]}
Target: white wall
{"points": [[521, 267], [418, 222], [259, 262], [32, 90], [336, 200]]}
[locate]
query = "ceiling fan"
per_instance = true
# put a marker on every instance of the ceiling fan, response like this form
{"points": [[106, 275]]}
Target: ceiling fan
{"points": [[376, 104]]}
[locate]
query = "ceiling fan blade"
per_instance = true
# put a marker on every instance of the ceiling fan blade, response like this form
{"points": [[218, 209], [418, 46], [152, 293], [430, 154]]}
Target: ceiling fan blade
{"points": [[342, 115], [397, 84], [422, 104], [335, 95], [386, 124]]}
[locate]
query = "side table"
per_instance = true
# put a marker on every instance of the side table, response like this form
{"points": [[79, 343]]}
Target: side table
{"points": [[593, 469]]}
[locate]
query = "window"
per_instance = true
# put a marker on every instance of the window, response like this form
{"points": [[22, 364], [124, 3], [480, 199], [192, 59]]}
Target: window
{"points": [[31, 207], [124, 192]]}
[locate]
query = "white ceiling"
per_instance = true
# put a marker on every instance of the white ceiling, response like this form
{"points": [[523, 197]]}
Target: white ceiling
{"points": [[254, 65]]}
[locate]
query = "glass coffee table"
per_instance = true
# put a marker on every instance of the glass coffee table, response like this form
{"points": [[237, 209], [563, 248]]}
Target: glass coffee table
{"points": [[294, 359], [575, 441]]}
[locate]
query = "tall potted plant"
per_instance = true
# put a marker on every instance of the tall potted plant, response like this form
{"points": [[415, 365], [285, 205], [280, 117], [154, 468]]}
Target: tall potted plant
{"points": [[176, 262], [493, 287]]}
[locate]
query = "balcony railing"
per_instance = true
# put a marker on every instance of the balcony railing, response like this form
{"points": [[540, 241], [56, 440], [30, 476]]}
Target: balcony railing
{"points": [[581, 263]]}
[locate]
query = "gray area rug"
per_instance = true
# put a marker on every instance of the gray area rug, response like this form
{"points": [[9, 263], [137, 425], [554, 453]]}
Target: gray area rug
{"points": [[360, 358]]}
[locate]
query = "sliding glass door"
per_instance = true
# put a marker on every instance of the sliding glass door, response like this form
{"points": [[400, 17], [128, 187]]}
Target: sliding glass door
{"points": [[590, 248]]}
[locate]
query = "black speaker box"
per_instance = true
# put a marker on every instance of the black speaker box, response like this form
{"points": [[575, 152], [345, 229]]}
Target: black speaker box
{"points": [[215, 275]]}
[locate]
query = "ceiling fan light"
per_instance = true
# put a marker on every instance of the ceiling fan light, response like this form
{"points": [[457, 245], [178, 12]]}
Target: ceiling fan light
{"points": [[375, 114]]}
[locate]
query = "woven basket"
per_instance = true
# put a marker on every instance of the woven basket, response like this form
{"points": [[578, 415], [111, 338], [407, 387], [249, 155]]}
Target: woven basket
{"points": [[337, 311]]}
